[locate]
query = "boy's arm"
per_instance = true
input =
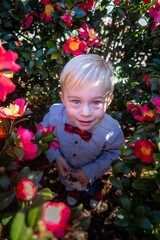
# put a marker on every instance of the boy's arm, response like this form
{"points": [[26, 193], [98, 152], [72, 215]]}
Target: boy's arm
{"points": [[50, 119], [110, 152]]}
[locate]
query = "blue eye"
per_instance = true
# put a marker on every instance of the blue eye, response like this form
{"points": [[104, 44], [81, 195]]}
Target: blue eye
{"points": [[96, 102], [76, 101]]}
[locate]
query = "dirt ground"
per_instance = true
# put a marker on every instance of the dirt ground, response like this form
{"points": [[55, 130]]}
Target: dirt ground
{"points": [[101, 219]]}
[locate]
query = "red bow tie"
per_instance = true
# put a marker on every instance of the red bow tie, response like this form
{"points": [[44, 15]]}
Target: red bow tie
{"points": [[83, 134]]}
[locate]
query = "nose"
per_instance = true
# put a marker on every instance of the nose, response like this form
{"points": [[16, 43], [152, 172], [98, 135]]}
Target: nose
{"points": [[86, 110]]}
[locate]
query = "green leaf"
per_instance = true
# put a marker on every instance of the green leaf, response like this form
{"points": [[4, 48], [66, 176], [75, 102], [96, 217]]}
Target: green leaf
{"points": [[6, 4], [27, 56], [122, 222], [143, 222], [18, 226], [69, 3], [125, 201], [40, 62], [120, 12], [46, 193], [116, 182], [52, 50], [79, 12], [139, 211], [5, 125], [6, 199], [19, 152], [157, 62], [6, 218], [55, 55], [117, 166], [23, 173], [15, 138], [139, 185], [39, 53], [31, 64], [35, 177], [7, 24], [4, 182], [148, 173], [127, 151], [76, 212], [84, 223], [38, 136], [123, 218], [35, 211], [7, 36]]}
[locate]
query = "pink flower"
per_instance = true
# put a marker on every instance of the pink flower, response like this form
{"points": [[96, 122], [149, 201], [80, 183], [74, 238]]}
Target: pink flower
{"points": [[156, 102], [146, 2], [134, 108], [49, 8], [14, 110], [30, 149], [154, 12], [55, 217], [86, 6], [44, 130], [155, 24], [144, 149], [25, 190], [6, 86], [117, 1], [147, 114], [28, 20], [54, 145], [75, 46], [90, 35], [66, 18], [7, 60]]}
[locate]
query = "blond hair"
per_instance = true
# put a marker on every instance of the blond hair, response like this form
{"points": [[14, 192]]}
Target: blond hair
{"points": [[87, 69]]}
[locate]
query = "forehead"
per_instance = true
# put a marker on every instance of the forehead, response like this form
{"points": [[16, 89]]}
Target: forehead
{"points": [[86, 91]]}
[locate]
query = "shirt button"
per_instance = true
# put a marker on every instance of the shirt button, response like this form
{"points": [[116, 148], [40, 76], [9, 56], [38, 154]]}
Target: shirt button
{"points": [[74, 155], [75, 142]]}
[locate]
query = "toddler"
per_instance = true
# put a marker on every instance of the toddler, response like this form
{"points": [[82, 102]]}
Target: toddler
{"points": [[90, 139]]}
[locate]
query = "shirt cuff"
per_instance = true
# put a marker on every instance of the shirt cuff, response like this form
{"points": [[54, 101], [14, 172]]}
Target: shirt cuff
{"points": [[52, 155]]}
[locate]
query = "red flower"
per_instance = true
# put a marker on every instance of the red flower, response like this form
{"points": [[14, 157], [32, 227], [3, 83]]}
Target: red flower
{"points": [[144, 149], [75, 46], [117, 1], [6, 86], [55, 217], [28, 20], [156, 102], [134, 108], [146, 2], [14, 110], [54, 145], [30, 149], [49, 8], [44, 130], [147, 114], [2, 132], [154, 12], [145, 78], [86, 6], [25, 190], [90, 35], [67, 19], [7, 60]]}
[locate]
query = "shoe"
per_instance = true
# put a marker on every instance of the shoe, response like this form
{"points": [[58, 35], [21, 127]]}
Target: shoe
{"points": [[73, 197], [95, 199]]}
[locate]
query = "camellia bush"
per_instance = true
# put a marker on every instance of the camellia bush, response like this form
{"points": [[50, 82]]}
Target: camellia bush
{"points": [[41, 36]]}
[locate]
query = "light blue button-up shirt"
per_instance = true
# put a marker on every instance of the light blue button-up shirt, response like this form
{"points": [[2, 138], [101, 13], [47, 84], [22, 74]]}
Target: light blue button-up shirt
{"points": [[94, 157]]}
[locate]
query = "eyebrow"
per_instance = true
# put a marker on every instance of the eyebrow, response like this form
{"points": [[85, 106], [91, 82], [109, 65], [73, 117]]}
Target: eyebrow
{"points": [[99, 97]]}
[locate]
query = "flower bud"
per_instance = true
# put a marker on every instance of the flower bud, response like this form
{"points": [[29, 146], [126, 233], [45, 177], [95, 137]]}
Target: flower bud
{"points": [[25, 190]]}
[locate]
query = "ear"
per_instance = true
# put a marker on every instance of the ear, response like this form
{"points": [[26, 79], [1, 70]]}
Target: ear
{"points": [[109, 100], [62, 97]]}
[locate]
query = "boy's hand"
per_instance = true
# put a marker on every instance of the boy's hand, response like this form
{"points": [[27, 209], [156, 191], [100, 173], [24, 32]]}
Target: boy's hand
{"points": [[81, 177], [62, 166]]}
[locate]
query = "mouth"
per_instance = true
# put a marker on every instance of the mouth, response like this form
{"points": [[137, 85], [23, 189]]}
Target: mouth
{"points": [[85, 123]]}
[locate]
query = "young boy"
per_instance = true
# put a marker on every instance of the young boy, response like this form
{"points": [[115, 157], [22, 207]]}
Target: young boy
{"points": [[90, 139]]}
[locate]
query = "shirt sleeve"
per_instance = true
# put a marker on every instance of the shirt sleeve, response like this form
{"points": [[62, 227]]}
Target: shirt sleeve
{"points": [[50, 119], [110, 152]]}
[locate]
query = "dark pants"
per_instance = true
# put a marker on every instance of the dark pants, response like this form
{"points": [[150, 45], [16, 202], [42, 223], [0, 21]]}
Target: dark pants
{"points": [[95, 187]]}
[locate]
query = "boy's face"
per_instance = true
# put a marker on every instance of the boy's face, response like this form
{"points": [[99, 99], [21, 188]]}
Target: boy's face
{"points": [[85, 106]]}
